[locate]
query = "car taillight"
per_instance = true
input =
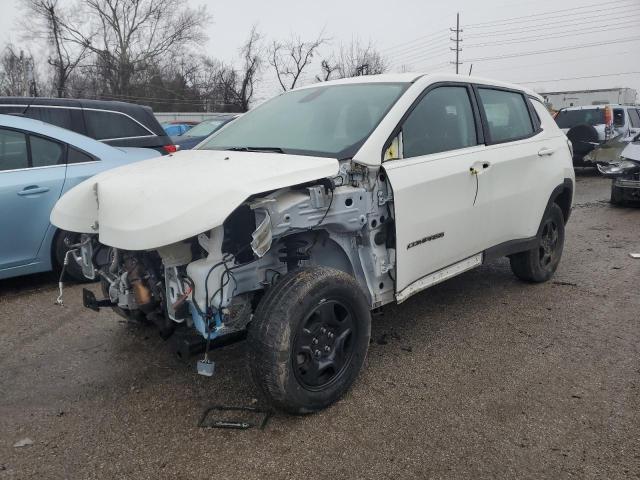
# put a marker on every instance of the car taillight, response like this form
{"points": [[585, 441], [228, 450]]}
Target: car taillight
{"points": [[171, 148], [608, 115]]}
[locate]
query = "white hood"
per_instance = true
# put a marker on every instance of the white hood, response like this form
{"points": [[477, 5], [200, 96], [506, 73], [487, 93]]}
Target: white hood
{"points": [[157, 202]]}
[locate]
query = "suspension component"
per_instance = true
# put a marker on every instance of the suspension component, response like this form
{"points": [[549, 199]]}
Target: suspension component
{"points": [[294, 252]]}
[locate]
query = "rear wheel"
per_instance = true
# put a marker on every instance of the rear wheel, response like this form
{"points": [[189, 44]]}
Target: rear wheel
{"points": [[540, 263], [308, 339]]}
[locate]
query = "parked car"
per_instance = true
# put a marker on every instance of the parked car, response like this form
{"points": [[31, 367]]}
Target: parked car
{"points": [[598, 132], [118, 124], [176, 129], [195, 135], [625, 174], [38, 163], [300, 217]]}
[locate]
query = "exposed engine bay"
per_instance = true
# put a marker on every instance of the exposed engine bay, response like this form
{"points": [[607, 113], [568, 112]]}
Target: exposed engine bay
{"points": [[213, 281]]}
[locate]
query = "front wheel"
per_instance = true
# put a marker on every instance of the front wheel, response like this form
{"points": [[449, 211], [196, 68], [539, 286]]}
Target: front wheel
{"points": [[308, 339], [540, 263], [617, 196]]}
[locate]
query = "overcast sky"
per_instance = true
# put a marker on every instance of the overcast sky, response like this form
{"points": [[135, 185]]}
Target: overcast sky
{"points": [[412, 33]]}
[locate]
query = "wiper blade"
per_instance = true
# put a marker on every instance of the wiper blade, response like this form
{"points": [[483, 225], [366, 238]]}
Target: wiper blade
{"points": [[256, 149]]}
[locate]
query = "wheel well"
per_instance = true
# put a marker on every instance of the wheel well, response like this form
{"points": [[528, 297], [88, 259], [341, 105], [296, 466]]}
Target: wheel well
{"points": [[54, 241], [322, 250], [563, 200]]}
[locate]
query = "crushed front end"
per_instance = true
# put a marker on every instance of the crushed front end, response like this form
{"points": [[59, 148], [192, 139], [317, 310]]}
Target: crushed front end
{"points": [[625, 175]]}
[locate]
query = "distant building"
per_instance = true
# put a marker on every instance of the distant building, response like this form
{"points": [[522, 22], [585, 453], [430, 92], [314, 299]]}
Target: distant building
{"points": [[576, 98]]}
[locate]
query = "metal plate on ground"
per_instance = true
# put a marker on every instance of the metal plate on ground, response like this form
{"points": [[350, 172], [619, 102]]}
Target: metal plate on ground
{"points": [[235, 418]]}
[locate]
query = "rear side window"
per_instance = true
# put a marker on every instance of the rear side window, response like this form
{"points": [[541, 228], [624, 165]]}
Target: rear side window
{"points": [[588, 116], [618, 117], [442, 121], [60, 117], [13, 150], [111, 125], [45, 152], [76, 156], [634, 117], [8, 109], [507, 115]]}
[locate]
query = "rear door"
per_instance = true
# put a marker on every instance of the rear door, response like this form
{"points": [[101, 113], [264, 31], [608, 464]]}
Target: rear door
{"points": [[438, 206], [32, 173], [522, 155]]}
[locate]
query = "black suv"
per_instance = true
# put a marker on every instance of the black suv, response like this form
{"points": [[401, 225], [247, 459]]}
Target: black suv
{"points": [[118, 124]]}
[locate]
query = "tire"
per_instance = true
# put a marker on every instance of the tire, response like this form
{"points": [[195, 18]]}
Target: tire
{"points": [[308, 339], [540, 263], [60, 249], [617, 196], [582, 138]]}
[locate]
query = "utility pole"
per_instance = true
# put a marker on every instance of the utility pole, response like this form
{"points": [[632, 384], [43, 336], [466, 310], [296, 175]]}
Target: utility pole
{"points": [[457, 41]]}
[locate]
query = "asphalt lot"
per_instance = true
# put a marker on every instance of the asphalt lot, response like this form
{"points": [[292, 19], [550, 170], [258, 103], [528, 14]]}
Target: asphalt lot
{"points": [[480, 377]]}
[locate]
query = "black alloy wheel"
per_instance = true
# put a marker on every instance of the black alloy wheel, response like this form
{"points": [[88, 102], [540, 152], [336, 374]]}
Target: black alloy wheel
{"points": [[323, 346]]}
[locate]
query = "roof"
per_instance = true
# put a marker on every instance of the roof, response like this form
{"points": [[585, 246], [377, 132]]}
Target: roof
{"points": [[411, 77], [46, 129], [597, 90], [591, 107], [141, 113]]}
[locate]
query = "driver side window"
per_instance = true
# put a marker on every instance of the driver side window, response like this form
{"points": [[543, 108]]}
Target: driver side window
{"points": [[442, 121]]}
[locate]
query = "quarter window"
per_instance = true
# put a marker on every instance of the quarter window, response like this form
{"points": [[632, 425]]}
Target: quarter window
{"points": [[45, 152], [442, 121], [618, 117], [109, 125], [76, 156], [13, 150], [507, 115]]}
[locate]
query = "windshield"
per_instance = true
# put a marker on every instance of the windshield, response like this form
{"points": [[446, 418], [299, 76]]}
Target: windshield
{"points": [[330, 121], [205, 128], [571, 118]]}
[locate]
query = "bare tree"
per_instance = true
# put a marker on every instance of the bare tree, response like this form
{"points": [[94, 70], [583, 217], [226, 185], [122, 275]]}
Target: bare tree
{"points": [[245, 80], [354, 60], [133, 35], [17, 73], [50, 22], [328, 68], [289, 59]]}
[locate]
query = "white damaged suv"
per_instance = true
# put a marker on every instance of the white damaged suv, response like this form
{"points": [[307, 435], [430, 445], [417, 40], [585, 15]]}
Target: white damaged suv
{"points": [[295, 221]]}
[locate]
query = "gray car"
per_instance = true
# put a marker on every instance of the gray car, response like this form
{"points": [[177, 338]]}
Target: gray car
{"points": [[195, 135]]}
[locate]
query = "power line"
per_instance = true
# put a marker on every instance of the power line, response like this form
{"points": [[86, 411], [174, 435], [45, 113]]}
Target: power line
{"points": [[421, 47], [551, 50], [564, 61], [421, 53], [424, 50], [422, 58], [549, 25], [525, 18], [581, 78], [442, 33], [568, 33]]}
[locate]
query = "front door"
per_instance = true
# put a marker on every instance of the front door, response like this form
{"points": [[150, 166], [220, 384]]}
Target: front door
{"points": [[439, 204], [32, 173]]}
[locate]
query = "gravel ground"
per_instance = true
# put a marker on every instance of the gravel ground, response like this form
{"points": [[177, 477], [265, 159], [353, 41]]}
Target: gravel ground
{"points": [[480, 377]]}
